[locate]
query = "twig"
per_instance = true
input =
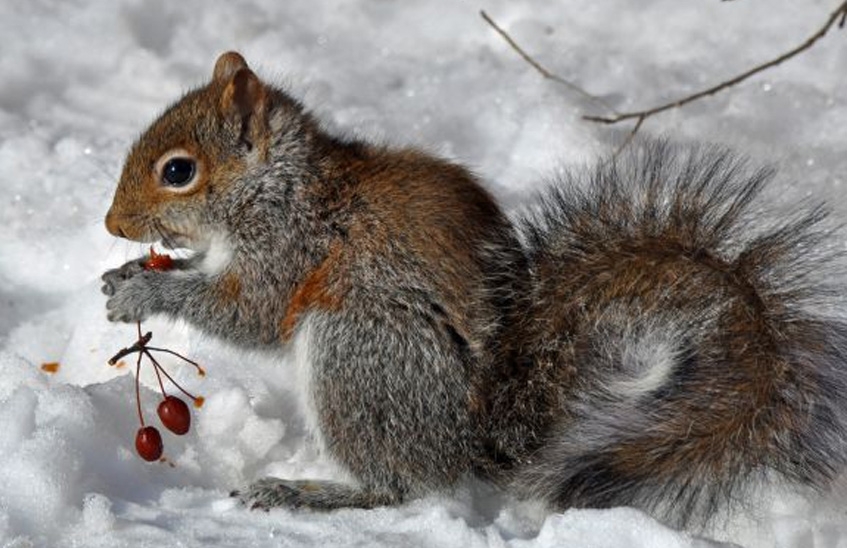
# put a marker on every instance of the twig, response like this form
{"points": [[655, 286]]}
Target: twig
{"points": [[543, 71], [641, 115], [138, 346], [138, 390], [629, 137]]}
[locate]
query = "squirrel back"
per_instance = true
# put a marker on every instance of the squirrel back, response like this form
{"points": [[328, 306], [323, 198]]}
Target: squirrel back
{"points": [[648, 341], [677, 349]]}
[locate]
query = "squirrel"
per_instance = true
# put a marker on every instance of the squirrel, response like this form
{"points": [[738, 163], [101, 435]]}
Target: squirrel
{"points": [[642, 336]]}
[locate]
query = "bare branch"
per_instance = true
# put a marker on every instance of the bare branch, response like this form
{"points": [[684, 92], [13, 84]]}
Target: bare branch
{"points": [[543, 71], [839, 14], [629, 137]]}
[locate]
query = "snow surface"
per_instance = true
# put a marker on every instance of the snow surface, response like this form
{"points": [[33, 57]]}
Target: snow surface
{"points": [[81, 79]]}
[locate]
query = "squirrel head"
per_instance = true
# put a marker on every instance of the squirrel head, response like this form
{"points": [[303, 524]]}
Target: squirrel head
{"points": [[184, 175]]}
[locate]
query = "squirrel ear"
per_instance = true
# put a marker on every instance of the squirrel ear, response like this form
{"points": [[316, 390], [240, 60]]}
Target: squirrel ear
{"points": [[227, 65], [245, 99]]}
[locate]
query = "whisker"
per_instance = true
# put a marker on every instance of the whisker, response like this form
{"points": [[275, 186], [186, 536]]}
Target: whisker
{"points": [[112, 246], [157, 225], [105, 185], [95, 221]]}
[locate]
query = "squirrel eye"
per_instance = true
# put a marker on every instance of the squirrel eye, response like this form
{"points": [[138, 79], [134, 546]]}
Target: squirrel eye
{"points": [[178, 172]]}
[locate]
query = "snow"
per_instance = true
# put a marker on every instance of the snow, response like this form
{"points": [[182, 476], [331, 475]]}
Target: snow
{"points": [[82, 78]]}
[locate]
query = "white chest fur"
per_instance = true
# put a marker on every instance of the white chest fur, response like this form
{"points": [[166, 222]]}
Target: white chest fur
{"points": [[301, 354], [217, 256]]}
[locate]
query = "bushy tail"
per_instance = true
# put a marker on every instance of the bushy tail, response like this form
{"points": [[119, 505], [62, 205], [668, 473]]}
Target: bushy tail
{"points": [[695, 345]]}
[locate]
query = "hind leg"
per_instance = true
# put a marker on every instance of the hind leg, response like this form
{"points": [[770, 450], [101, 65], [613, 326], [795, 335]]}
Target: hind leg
{"points": [[271, 492]]}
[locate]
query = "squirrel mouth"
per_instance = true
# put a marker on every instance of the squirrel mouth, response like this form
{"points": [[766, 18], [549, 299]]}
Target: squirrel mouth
{"points": [[179, 240], [176, 241], [172, 239], [170, 243]]}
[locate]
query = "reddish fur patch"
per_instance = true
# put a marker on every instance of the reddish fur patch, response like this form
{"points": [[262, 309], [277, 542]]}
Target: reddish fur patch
{"points": [[315, 291], [442, 217], [229, 288]]}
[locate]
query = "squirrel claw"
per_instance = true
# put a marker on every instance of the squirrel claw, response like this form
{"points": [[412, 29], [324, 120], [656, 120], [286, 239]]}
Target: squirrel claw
{"points": [[115, 277], [269, 493], [257, 506]]}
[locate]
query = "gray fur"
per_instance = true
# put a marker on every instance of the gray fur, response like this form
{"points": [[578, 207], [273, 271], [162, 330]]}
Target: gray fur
{"points": [[387, 385], [536, 384]]}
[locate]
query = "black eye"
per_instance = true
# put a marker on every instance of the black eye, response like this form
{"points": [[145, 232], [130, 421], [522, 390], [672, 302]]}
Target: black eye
{"points": [[178, 171]]}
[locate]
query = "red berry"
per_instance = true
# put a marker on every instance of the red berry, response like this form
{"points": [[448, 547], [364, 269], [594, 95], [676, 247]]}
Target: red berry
{"points": [[148, 443], [158, 261], [175, 415]]}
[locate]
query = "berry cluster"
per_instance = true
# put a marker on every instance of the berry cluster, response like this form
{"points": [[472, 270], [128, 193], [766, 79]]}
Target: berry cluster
{"points": [[173, 411]]}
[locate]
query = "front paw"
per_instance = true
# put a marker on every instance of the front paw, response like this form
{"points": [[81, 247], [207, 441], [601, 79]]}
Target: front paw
{"points": [[132, 300], [114, 278]]}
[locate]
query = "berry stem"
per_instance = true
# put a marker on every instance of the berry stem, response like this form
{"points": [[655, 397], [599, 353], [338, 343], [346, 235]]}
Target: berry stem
{"points": [[159, 378], [200, 370], [165, 373], [138, 389]]}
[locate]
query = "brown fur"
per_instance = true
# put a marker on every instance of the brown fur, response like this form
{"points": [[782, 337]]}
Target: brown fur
{"points": [[229, 289], [407, 190], [318, 290]]}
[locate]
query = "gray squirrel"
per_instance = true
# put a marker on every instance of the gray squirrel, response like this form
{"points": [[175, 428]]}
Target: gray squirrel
{"points": [[641, 337]]}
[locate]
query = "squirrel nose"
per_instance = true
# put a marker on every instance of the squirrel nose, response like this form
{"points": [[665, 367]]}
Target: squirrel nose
{"points": [[114, 226]]}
